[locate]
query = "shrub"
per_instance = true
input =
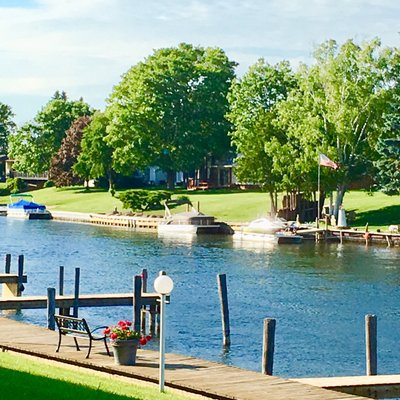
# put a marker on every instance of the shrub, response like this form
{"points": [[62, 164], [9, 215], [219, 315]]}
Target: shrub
{"points": [[143, 200], [4, 191], [48, 184], [16, 185]]}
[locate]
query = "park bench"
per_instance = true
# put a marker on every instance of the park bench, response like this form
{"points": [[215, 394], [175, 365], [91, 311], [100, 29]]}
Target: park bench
{"points": [[78, 328]]}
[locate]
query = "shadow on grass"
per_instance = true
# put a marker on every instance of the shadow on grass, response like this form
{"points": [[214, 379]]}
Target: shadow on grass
{"points": [[383, 216], [21, 385]]}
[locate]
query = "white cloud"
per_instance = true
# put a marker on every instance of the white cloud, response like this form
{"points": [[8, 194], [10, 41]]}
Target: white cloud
{"points": [[83, 46]]}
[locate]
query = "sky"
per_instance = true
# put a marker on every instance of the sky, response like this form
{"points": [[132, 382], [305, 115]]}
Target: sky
{"points": [[83, 47]]}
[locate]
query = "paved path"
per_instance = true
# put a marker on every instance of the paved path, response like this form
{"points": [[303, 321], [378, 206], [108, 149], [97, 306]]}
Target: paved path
{"points": [[186, 373]]}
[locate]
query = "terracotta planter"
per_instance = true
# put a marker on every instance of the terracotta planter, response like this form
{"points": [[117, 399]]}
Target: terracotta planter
{"points": [[125, 351]]}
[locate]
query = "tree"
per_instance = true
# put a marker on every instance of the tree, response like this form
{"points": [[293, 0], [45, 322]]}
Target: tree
{"points": [[258, 140], [7, 126], [95, 159], [388, 166], [340, 105], [36, 142], [168, 111], [61, 171]]}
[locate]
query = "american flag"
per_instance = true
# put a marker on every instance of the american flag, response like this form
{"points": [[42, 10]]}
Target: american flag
{"points": [[327, 162]]}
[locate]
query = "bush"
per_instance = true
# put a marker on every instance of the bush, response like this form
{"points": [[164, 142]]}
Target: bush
{"points": [[16, 185], [4, 191], [48, 184], [143, 200]]}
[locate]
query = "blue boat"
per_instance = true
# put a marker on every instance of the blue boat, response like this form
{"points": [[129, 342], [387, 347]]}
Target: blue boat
{"points": [[23, 206]]}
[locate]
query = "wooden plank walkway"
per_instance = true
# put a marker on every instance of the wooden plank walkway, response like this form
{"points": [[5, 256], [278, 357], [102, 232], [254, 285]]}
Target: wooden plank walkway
{"points": [[375, 386], [193, 375], [85, 300]]}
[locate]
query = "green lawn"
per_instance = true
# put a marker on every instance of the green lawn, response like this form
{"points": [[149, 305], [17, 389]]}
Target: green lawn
{"points": [[24, 377], [379, 210]]}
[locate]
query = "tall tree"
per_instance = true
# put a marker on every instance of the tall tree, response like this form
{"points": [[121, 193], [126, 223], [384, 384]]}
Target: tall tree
{"points": [[7, 126], [95, 159], [36, 142], [168, 111], [61, 171], [258, 140], [340, 106]]}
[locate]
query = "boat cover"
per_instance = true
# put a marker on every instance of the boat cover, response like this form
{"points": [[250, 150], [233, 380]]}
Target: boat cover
{"points": [[27, 205]]}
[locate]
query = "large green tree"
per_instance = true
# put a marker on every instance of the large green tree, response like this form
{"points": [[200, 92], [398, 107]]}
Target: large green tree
{"points": [[257, 139], [168, 111], [7, 126], [340, 104], [95, 159], [36, 142]]}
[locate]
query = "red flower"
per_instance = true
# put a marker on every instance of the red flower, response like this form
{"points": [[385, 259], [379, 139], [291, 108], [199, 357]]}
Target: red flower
{"points": [[113, 336], [121, 324], [148, 338], [142, 341], [107, 331]]}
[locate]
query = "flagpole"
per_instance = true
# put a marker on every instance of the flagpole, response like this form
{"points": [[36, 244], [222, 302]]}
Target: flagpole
{"points": [[319, 190]]}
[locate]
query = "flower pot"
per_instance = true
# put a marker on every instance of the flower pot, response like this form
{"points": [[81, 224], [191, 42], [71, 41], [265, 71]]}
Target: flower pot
{"points": [[125, 351]]}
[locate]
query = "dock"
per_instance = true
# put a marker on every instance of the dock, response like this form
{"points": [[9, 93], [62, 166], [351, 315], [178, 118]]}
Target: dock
{"points": [[210, 379]]}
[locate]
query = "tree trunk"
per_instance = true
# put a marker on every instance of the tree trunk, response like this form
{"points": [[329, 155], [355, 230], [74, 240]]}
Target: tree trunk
{"points": [[273, 203], [341, 190], [171, 180]]}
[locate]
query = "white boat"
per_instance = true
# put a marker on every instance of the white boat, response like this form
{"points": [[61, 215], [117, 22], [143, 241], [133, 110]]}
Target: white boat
{"points": [[274, 230], [190, 222], [22, 206]]}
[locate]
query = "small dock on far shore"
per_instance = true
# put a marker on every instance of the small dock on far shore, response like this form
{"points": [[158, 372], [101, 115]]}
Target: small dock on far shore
{"points": [[189, 374]]}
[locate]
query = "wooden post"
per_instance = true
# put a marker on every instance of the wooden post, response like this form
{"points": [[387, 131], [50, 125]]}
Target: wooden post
{"points": [[371, 344], [137, 301], [20, 285], [76, 292], [341, 237], [51, 308], [143, 308], [223, 296], [62, 311], [268, 346], [7, 263]]}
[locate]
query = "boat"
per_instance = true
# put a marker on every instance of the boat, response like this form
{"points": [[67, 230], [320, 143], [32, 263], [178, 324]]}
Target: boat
{"points": [[274, 230], [22, 206], [190, 222]]}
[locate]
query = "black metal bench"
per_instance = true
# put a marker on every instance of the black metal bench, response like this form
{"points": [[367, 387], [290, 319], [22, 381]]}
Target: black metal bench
{"points": [[78, 328]]}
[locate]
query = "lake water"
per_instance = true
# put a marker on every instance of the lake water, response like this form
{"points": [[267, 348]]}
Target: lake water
{"points": [[319, 294]]}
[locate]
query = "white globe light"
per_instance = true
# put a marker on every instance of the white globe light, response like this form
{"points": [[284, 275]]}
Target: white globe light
{"points": [[163, 284]]}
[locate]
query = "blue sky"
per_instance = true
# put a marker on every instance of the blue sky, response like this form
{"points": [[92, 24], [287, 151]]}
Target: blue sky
{"points": [[84, 46]]}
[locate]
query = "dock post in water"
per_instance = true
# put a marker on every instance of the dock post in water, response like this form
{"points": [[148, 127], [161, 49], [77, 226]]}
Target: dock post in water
{"points": [[223, 296], [62, 311], [137, 301], [51, 308], [20, 285], [144, 290], [371, 344], [268, 346], [7, 267], [76, 292]]}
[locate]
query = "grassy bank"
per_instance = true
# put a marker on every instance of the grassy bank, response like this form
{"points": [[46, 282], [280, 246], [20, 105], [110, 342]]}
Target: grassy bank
{"points": [[23, 377], [378, 209]]}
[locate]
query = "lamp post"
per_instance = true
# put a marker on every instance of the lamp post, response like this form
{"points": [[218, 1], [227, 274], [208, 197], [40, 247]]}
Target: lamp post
{"points": [[163, 286]]}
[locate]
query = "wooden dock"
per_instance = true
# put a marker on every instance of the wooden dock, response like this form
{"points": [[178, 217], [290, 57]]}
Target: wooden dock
{"points": [[193, 375], [374, 386]]}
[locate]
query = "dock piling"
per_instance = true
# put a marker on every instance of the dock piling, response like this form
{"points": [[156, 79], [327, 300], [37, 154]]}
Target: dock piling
{"points": [[223, 295], [20, 285], [51, 308], [7, 263], [137, 301], [144, 290], [268, 346], [76, 292], [371, 344]]}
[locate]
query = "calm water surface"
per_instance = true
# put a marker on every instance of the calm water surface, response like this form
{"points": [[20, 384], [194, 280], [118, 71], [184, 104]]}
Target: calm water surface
{"points": [[319, 294]]}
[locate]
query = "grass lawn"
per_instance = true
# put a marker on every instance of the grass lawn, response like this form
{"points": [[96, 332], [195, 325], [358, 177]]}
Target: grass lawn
{"points": [[24, 377], [378, 209]]}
